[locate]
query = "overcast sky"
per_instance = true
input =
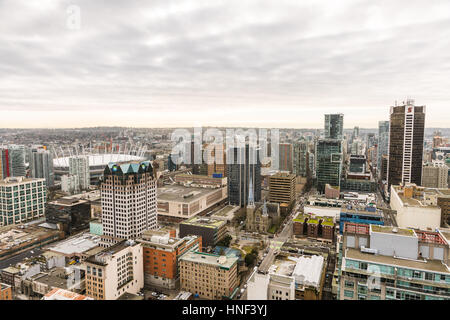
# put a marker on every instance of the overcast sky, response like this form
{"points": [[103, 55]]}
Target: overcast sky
{"points": [[221, 63]]}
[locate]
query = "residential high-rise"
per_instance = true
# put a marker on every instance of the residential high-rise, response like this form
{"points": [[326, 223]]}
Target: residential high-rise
{"points": [[41, 163], [128, 195], [243, 164], [383, 143], [79, 166], [301, 159], [406, 133], [21, 200], [328, 163], [334, 126]]}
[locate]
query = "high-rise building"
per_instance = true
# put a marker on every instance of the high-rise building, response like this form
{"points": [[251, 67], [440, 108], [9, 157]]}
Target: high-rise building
{"points": [[286, 157], [334, 126], [282, 188], [13, 161], [79, 166], [406, 133], [243, 164], [328, 163], [383, 143], [435, 175], [128, 195], [21, 200], [41, 163], [301, 159]]}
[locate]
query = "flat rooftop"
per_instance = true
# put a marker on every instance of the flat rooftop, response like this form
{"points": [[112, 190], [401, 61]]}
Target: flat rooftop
{"points": [[420, 195], [225, 211], [177, 193], [426, 265], [393, 230], [210, 259], [14, 236], [204, 222], [77, 244], [61, 294]]}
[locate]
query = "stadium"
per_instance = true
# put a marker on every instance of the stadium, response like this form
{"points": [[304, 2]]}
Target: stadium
{"points": [[97, 163]]}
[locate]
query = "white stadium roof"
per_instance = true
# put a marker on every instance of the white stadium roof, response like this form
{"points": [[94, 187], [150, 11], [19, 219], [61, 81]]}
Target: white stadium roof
{"points": [[98, 159]]}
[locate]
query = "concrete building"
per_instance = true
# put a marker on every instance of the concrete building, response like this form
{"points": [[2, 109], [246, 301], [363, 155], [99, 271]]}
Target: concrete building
{"points": [[435, 175], [406, 133], [177, 202], [79, 166], [162, 253], [128, 193], [383, 144], [301, 159], [362, 214], [282, 188], [21, 200], [389, 263], [321, 206], [312, 226], [210, 230], [291, 277], [209, 276], [416, 207], [114, 271]]}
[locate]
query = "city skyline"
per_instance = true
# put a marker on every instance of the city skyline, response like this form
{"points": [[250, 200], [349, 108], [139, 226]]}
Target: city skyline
{"points": [[216, 63]]}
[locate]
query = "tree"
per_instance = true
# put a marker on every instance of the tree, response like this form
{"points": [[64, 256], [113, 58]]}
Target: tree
{"points": [[225, 242], [249, 259]]}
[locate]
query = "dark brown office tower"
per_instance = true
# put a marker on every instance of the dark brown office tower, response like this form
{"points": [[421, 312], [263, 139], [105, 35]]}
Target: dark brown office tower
{"points": [[406, 132]]}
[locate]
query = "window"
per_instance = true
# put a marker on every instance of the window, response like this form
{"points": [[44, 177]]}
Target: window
{"points": [[429, 276], [348, 294]]}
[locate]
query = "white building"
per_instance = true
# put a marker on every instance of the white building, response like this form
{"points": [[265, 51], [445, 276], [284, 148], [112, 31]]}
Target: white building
{"points": [[21, 199], [70, 183], [79, 166], [114, 271], [128, 196], [416, 207]]}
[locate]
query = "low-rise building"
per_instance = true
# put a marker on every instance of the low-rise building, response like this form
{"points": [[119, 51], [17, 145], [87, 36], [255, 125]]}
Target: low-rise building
{"points": [[209, 276], [161, 254], [416, 206], [211, 230], [312, 226], [5, 292], [71, 214], [321, 206], [114, 271], [261, 216], [357, 213], [61, 294], [177, 202]]}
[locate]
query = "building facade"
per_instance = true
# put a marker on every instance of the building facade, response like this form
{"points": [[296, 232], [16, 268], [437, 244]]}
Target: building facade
{"points": [[128, 195], [79, 166], [334, 126], [41, 164], [328, 163], [21, 200], [406, 134]]}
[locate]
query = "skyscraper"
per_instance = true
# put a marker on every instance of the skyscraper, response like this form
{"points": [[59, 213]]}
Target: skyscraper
{"points": [[13, 161], [406, 133], [301, 159], [79, 166], [328, 163], [334, 126], [41, 163], [243, 164], [383, 143], [128, 195]]}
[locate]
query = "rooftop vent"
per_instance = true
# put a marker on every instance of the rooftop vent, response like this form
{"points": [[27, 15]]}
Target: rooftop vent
{"points": [[394, 230]]}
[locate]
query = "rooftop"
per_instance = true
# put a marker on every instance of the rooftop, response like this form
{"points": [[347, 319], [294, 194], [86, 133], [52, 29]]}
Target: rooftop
{"points": [[61, 294], [178, 193], [77, 244], [204, 222], [216, 260], [225, 211], [426, 265], [392, 230], [10, 181]]}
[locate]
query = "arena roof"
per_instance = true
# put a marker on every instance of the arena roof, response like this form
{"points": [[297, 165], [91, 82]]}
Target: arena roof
{"points": [[98, 159]]}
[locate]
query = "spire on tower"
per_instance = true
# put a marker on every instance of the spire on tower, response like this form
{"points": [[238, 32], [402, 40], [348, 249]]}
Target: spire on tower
{"points": [[251, 200]]}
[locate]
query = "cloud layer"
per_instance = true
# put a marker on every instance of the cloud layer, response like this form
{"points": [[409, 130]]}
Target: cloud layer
{"points": [[249, 63]]}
